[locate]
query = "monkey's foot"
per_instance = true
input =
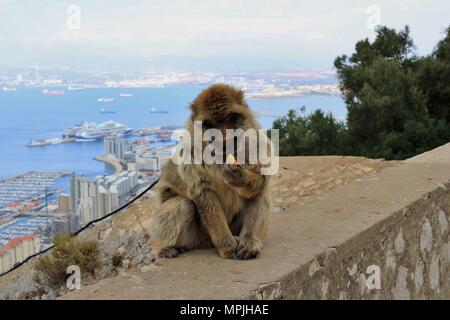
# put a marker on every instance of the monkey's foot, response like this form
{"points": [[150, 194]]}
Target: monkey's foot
{"points": [[171, 252], [230, 251], [248, 249], [227, 253]]}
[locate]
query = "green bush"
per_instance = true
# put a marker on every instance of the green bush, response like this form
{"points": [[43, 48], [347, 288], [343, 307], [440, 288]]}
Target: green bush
{"points": [[50, 269], [314, 134]]}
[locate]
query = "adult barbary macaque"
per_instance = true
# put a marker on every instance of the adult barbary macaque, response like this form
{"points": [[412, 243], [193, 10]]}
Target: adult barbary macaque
{"points": [[225, 205]]}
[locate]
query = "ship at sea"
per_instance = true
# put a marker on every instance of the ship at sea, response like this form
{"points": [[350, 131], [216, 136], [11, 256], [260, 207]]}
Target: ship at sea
{"points": [[71, 88], [91, 131], [107, 111], [44, 142], [6, 89], [105, 100], [154, 110], [53, 92]]}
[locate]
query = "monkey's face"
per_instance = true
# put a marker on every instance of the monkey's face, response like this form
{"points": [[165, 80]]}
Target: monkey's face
{"points": [[221, 107], [221, 110], [231, 121]]}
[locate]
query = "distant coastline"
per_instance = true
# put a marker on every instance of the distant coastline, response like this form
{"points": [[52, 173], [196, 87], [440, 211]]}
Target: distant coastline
{"points": [[287, 95], [61, 112], [116, 164]]}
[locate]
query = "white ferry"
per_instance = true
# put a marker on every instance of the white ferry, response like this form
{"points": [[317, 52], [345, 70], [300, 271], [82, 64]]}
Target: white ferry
{"points": [[105, 100], [89, 131], [6, 89]]}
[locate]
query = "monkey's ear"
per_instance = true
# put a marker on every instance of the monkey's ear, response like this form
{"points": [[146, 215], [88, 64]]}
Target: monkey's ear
{"points": [[241, 95], [194, 108]]}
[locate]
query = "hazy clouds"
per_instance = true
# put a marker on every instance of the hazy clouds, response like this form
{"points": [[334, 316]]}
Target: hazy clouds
{"points": [[293, 34]]}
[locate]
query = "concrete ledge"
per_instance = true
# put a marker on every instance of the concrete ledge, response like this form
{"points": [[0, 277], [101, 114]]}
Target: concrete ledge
{"points": [[395, 220]]}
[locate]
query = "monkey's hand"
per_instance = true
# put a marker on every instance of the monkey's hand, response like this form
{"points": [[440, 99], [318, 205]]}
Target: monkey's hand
{"points": [[230, 251], [233, 174], [248, 248], [245, 179]]}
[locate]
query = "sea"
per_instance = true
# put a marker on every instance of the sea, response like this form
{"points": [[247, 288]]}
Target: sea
{"points": [[28, 114]]}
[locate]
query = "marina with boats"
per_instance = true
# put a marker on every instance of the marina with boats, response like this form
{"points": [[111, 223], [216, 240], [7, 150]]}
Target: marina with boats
{"points": [[92, 131]]}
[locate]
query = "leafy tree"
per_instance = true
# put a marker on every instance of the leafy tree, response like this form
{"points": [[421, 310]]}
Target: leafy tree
{"points": [[314, 134], [434, 79], [381, 92], [398, 103]]}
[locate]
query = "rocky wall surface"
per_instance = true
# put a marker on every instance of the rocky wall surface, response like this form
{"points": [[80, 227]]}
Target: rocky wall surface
{"points": [[406, 256]]}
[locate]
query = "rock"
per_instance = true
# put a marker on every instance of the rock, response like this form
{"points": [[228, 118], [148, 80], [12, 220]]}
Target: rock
{"points": [[342, 295], [51, 295], [399, 243], [269, 291], [104, 233], [443, 223], [362, 283], [434, 273], [400, 291], [418, 276], [314, 267], [137, 260], [126, 263], [151, 267], [149, 258], [352, 271], [284, 190], [145, 248], [390, 261], [324, 287], [426, 237]]}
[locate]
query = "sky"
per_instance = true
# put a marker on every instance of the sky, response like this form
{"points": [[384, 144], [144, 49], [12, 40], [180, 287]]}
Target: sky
{"points": [[200, 35]]}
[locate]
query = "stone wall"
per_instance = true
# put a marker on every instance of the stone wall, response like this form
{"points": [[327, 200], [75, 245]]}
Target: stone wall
{"points": [[382, 235], [406, 256]]}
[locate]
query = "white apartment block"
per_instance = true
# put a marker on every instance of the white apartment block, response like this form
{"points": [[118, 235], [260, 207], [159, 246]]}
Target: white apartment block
{"points": [[103, 195], [17, 250], [152, 161]]}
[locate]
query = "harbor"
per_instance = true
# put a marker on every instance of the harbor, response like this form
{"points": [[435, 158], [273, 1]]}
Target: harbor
{"points": [[111, 161], [92, 131], [27, 190]]}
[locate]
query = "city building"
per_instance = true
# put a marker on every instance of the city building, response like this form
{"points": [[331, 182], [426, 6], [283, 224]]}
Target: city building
{"points": [[18, 250], [152, 161], [117, 147], [122, 146], [100, 196], [65, 223], [75, 191], [64, 202], [83, 193], [109, 145]]}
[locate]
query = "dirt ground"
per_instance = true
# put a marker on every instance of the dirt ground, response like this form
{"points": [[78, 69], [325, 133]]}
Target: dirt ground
{"points": [[301, 179]]}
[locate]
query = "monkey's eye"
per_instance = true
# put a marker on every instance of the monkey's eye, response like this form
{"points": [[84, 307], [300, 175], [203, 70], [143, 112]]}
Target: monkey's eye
{"points": [[235, 120], [207, 125]]}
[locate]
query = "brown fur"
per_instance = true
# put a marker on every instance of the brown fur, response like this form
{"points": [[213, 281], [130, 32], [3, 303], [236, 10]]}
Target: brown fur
{"points": [[224, 206]]}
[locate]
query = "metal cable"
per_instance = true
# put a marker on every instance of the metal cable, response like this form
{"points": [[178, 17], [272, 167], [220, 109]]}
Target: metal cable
{"points": [[84, 228]]}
